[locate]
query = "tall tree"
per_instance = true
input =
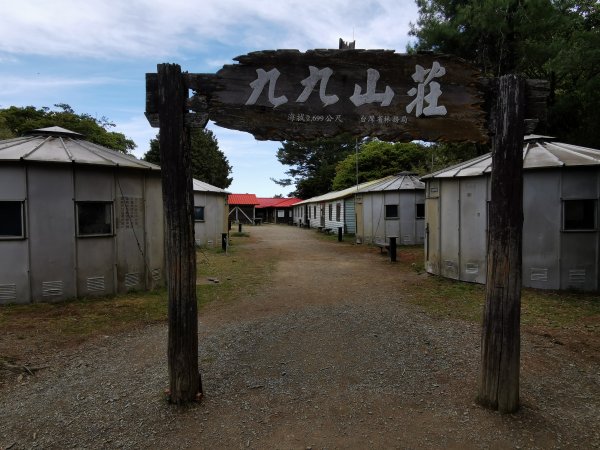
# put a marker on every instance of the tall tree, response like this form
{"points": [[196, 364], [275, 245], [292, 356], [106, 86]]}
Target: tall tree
{"points": [[16, 121], [209, 163], [558, 40], [377, 159], [313, 164]]}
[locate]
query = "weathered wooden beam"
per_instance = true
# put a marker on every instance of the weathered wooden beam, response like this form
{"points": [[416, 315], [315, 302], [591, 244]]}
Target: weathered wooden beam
{"points": [[501, 339], [178, 200]]}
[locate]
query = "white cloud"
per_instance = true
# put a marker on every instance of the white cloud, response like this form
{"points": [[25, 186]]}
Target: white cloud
{"points": [[139, 28], [138, 129]]}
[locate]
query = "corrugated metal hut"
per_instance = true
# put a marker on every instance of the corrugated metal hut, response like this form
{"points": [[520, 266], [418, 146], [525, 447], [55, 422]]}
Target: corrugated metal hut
{"points": [[331, 211], [78, 219], [328, 211], [392, 206], [561, 247], [210, 213]]}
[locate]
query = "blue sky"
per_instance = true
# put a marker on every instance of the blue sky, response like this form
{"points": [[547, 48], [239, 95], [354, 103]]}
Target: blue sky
{"points": [[94, 54]]}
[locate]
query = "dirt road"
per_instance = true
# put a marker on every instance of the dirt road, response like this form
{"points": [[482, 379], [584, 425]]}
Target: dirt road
{"points": [[326, 355]]}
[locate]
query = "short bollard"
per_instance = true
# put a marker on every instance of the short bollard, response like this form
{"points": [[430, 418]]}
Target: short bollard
{"points": [[339, 234], [392, 249], [240, 227], [224, 241]]}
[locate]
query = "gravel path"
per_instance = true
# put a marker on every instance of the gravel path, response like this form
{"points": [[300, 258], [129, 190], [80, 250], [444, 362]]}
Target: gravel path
{"points": [[327, 355]]}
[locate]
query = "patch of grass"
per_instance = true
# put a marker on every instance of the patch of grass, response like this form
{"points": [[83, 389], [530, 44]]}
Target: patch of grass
{"points": [[442, 297], [555, 309], [239, 234], [239, 272], [78, 319]]}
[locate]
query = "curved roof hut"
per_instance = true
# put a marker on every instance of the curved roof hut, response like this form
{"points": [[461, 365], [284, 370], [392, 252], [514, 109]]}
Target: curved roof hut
{"points": [[561, 247], [79, 219]]}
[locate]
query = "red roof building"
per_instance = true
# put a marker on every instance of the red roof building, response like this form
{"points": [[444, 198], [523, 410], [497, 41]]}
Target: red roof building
{"points": [[242, 199], [241, 208], [275, 210]]}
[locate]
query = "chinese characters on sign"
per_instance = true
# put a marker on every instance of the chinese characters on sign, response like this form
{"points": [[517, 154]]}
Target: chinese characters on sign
{"points": [[424, 78], [301, 96]]}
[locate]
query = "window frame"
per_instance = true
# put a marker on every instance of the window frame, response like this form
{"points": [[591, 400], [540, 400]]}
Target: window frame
{"points": [[417, 216], [111, 210], [330, 213], [203, 208], [338, 212], [390, 217], [594, 215], [23, 235]]}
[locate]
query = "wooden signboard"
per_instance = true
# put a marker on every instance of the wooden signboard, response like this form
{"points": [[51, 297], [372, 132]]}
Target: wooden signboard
{"points": [[290, 95]]}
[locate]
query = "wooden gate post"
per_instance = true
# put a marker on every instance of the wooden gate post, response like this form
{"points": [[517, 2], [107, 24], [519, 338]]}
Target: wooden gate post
{"points": [[500, 340], [184, 378]]}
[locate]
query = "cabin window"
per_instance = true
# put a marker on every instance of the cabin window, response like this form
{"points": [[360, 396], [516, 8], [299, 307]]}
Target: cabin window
{"points": [[579, 215], [420, 211], [391, 211], [11, 220], [338, 211], [315, 211], [94, 219], [199, 213], [330, 212]]}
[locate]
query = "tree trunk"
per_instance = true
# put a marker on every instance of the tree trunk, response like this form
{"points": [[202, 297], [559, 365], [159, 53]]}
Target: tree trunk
{"points": [[500, 341], [184, 377]]}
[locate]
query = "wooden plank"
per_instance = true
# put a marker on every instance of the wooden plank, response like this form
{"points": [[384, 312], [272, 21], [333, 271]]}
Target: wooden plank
{"points": [[178, 200], [229, 95], [500, 340]]}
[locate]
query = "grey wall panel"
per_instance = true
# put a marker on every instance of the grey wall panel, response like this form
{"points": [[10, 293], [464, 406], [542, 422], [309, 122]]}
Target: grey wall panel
{"points": [[473, 225], [155, 231], [378, 227], [406, 207], [130, 235], [12, 182], [51, 232], [449, 226], [96, 255], [14, 253], [541, 229], [95, 266], [432, 237], [350, 215], [579, 183], [420, 223], [14, 272], [579, 261], [94, 184], [209, 232]]}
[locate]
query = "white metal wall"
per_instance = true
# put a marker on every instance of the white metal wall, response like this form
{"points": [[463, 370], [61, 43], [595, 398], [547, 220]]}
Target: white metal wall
{"points": [[14, 253], [51, 232], [473, 229], [96, 256], [208, 233]]}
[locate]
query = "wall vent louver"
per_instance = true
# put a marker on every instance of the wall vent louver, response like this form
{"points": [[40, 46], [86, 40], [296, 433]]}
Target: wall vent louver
{"points": [[472, 268], [132, 279], [577, 276], [538, 274], [52, 288], [96, 284], [8, 291]]}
